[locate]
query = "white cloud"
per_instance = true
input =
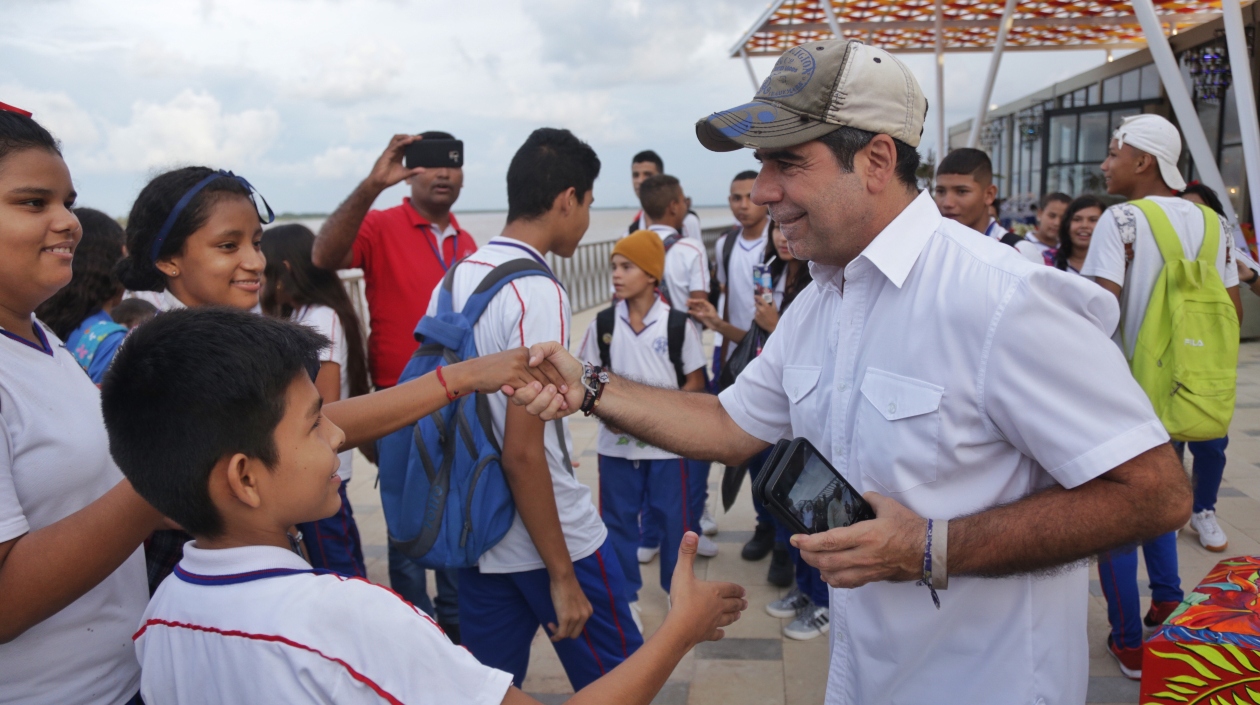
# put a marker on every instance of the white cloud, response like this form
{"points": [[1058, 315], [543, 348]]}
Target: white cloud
{"points": [[57, 112], [341, 162], [350, 75], [191, 128]]}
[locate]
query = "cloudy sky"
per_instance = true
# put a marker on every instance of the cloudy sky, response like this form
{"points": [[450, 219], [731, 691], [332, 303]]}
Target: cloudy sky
{"points": [[301, 96]]}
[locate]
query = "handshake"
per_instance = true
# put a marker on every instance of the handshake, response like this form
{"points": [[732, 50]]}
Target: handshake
{"points": [[545, 379]]}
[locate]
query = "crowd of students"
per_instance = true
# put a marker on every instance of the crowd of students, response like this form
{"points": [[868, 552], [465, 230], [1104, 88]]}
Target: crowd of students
{"points": [[205, 461]]}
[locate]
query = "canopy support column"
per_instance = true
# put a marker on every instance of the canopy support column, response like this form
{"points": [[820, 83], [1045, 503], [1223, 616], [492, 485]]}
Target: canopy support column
{"points": [[1004, 26], [832, 22], [941, 145], [752, 75], [1245, 99], [1183, 108]]}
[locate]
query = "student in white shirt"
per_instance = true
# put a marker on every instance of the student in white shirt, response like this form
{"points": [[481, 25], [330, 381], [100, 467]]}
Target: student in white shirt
{"points": [[237, 445], [1124, 258], [964, 191], [633, 475], [944, 381], [1076, 232], [736, 254], [1040, 243], [555, 567], [298, 290], [71, 569], [686, 262], [643, 166]]}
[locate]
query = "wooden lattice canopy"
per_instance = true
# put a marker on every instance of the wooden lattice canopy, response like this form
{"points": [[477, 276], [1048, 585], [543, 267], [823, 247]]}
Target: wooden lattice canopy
{"points": [[969, 25]]}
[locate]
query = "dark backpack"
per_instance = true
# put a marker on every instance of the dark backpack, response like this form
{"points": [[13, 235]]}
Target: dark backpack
{"points": [[443, 492], [728, 246], [675, 329], [1011, 239]]}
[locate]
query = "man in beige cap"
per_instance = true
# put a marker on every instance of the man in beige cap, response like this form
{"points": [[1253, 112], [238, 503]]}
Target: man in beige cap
{"points": [[939, 372]]}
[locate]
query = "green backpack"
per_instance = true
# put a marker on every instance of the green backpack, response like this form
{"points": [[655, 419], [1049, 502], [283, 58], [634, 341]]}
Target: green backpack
{"points": [[1186, 356]]}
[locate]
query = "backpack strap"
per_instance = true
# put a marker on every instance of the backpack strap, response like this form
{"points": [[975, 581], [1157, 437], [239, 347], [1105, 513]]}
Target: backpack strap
{"points": [[676, 330], [1165, 236], [672, 240], [1211, 235], [1011, 239], [432, 328], [604, 325]]}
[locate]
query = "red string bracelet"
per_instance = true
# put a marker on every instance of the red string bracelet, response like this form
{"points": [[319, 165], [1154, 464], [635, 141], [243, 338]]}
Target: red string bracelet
{"points": [[442, 380]]}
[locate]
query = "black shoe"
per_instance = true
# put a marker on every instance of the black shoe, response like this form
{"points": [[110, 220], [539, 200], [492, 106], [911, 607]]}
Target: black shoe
{"points": [[782, 573], [760, 545], [452, 632]]}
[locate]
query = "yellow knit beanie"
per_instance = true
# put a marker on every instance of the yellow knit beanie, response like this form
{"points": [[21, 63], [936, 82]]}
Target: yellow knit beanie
{"points": [[645, 249]]}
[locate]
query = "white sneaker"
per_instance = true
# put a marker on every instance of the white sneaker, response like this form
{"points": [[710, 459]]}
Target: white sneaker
{"points": [[707, 525], [707, 547], [646, 554], [808, 624], [636, 615], [789, 606], [1210, 533]]}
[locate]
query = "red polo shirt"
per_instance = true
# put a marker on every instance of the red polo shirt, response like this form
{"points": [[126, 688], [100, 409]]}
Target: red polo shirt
{"points": [[398, 252]]}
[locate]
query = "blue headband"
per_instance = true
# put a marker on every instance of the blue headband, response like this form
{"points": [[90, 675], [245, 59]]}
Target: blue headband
{"points": [[187, 197]]}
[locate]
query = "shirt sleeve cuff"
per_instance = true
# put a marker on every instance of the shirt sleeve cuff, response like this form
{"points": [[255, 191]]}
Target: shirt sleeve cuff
{"points": [[496, 688], [13, 528], [751, 426], [1111, 454]]}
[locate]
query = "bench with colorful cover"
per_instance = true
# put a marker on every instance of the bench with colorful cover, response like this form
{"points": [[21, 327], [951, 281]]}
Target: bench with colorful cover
{"points": [[1208, 650]]}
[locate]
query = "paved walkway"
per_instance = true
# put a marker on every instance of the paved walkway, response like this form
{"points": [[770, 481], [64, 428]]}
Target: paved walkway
{"points": [[755, 664]]}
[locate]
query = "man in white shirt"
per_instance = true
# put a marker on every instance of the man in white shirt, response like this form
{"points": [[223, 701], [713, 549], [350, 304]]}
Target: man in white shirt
{"points": [[737, 252], [644, 166], [1125, 259], [555, 566], [1045, 237], [907, 365], [964, 191]]}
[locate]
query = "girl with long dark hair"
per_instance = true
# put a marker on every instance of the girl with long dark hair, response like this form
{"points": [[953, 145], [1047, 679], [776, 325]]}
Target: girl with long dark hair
{"points": [[295, 289], [1075, 231], [80, 313]]}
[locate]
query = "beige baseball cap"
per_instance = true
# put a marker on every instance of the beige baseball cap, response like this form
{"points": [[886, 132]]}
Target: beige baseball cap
{"points": [[817, 88]]}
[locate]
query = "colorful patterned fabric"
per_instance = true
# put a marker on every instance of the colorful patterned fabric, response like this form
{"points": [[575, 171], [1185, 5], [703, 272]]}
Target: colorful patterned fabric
{"points": [[94, 343], [1209, 649]]}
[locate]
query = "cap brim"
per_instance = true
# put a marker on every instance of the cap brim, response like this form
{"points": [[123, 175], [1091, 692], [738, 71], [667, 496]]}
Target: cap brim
{"points": [[1172, 178], [758, 125]]}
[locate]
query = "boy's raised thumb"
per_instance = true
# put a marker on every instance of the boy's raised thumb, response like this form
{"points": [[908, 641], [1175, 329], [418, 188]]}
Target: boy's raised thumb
{"points": [[687, 555]]}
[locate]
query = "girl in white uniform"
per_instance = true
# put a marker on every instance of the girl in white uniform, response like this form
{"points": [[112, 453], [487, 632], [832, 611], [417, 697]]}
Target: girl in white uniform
{"points": [[298, 290], [71, 570]]}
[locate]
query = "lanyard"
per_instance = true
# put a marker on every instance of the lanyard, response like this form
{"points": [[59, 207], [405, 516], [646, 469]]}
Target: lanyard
{"points": [[437, 249], [43, 346]]}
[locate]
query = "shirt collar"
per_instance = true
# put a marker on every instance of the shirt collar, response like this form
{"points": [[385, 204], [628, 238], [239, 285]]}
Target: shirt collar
{"points": [[418, 220], [896, 248], [659, 308], [663, 230], [169, 302], [243, 559]]}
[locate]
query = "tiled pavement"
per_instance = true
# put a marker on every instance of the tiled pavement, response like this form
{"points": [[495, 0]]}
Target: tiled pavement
{"points": [[755, 664]]}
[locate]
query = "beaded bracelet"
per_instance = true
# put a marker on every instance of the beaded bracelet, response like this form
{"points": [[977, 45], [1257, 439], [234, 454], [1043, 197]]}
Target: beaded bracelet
{"points": [[927, 567]]}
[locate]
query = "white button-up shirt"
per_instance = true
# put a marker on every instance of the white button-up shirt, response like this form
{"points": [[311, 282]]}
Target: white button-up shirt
{"points": [[943, 369]]}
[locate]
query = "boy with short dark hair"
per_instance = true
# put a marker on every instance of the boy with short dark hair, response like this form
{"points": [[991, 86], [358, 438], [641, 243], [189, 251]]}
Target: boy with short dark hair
{"points": [[686, 262], [643, 166], [1040, 244], [232, 442], [964, 191], [643, 338]]}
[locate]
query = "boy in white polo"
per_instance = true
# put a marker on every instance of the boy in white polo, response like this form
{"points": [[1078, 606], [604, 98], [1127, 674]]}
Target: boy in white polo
{"points": [[686, 262], [640, 342], [236, 447]]}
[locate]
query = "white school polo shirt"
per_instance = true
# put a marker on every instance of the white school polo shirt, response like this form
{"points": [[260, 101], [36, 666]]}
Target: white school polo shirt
{"points": [[1124, 224], [691, 226], [256, 625], [525, 312], [915, 382], [740, 294], [54, 461], [686, 267], [644, 357], [326, 321]]}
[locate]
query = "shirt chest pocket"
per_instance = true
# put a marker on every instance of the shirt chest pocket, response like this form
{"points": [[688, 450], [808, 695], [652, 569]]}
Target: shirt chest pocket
{"points": [[800, 383], [898, 426]]}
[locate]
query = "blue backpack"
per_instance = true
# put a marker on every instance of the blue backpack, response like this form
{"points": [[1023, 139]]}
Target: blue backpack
{"points": [[445, 498]]}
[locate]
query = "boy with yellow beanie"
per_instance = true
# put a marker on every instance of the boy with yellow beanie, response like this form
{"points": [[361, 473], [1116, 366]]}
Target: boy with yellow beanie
{"points": [[641, 337]]}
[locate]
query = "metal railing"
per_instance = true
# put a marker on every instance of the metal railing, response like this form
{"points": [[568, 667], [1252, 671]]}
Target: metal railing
{"points": [[585, 275]]}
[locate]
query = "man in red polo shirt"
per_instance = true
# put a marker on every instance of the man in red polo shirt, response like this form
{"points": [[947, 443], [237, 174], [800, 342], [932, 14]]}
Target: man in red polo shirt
{"points": [[404, 251]]}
